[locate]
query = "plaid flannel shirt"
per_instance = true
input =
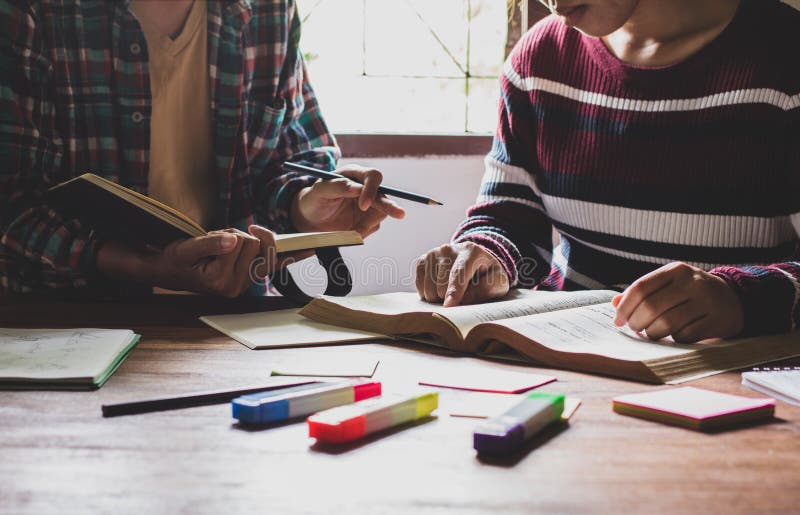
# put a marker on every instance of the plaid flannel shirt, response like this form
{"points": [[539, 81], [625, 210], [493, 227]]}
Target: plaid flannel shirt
{"points": [[75, 98]]}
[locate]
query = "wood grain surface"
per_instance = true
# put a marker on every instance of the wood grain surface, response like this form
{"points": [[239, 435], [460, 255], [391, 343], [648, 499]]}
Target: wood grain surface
{"points": [[58, 455]]}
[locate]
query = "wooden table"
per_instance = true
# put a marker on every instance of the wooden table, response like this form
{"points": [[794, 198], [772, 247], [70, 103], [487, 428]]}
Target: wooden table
{"points": [[57, 454]]}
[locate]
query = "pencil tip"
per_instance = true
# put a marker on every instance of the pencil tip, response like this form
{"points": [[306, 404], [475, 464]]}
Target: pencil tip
{"points": [[432, 202]]}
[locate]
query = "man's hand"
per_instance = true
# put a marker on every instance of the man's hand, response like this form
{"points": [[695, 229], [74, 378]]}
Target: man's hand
{"points": [[344, 204], [218, 263], [681, 301], [268, 260], [460, 273]]}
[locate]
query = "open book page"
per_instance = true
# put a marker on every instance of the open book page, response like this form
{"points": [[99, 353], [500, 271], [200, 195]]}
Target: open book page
{"points": [[516, 304], [59, 354], [149, 204], [591, 330]]}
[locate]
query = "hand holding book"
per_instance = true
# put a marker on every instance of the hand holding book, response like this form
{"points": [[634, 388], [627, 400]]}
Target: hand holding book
{"points": [[147, 242], [219, 263]]}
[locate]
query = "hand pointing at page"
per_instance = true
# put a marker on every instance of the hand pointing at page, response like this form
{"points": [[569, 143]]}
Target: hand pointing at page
{"points": [[460, 273]]}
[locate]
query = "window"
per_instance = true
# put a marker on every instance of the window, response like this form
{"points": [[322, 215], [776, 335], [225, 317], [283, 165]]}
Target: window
{"points": [[406, 66]]}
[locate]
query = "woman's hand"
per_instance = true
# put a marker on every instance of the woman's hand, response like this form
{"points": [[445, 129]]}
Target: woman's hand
{"points": [[344, 204], [460, 273], [681, 301]]}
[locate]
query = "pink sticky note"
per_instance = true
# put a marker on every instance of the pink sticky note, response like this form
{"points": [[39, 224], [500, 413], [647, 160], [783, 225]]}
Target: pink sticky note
{"points": [[694, 408], [481, 379]]}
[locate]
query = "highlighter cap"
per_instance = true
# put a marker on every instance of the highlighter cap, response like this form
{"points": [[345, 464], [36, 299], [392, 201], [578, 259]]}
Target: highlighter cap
{"points": [[504, 434], [337, 425], [499, 436], [366, 391]]}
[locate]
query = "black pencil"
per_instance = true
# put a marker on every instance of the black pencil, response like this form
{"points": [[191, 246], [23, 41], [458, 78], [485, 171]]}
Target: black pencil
{"points": [[190, 400], [386, 190]]}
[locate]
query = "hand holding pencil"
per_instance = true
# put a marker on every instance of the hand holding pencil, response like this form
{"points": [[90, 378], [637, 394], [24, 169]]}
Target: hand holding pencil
{"points": [[386, 190], [351, 198]]}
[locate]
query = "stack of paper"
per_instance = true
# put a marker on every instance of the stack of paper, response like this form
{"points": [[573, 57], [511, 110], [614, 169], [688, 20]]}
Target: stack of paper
{"points": [[694, 408], [783, 383]]}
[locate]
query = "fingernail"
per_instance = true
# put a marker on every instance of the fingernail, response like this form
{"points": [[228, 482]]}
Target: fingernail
{"points": [[227, 241]]}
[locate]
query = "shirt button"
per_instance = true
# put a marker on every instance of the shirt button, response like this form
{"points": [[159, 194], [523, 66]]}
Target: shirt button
{"points": [[137, 117], [136, 49]]}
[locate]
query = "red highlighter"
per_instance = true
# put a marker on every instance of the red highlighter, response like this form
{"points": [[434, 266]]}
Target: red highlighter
{"points": [[348, 423]]}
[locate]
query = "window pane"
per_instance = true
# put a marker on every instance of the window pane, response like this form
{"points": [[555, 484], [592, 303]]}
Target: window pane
{"points": [[483, 97], [416, 38], [488, 28], [379, 104], [405, 65], [332, 37]]}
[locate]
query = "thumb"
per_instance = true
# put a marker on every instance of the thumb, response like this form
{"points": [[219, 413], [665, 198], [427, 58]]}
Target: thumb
{"points": [[266, 236], [214, 244], [269, 255], [272, 260]]}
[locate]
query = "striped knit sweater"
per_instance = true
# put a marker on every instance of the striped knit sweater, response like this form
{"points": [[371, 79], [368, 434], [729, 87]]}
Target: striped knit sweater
{"points": [[638, 167]]}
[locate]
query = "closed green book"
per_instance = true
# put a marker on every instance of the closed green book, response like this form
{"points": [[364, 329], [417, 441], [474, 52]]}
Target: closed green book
{"points": [[61, 359]]}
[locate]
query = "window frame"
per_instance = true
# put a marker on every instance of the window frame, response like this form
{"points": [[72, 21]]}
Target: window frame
{"points": [[381, 144], [373, 144]]}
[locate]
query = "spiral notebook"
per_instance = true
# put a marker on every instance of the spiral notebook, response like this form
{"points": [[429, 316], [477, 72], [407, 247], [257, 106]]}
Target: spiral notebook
{"points": [[782, 383]]}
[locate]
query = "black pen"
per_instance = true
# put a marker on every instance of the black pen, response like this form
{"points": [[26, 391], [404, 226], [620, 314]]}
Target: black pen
{"points": [[386, 190], [190, 400]]}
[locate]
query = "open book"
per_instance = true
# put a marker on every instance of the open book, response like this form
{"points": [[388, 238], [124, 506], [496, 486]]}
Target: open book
{"points": [[571, 330], [120, 212]]}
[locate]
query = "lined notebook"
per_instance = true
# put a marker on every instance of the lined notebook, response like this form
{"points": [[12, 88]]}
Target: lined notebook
{"points": [[783, 383], [61, 359]]}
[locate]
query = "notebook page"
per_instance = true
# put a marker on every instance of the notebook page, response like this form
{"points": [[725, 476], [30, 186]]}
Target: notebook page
{"points": [[782, 383], [59, 353], [282, 328]]}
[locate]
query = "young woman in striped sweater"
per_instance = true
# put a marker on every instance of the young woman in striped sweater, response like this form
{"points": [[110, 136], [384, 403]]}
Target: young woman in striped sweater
{"points": [[661, 140]]}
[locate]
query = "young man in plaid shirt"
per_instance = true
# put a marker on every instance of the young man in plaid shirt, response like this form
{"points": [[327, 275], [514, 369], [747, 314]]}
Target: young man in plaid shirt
{"points": [[194, 103]]}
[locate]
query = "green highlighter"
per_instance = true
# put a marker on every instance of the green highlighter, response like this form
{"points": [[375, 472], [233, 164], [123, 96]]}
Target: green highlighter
{"points": [[506, 433]]}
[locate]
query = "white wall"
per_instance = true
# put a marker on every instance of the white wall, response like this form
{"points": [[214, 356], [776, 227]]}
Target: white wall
{"points": [[385, 262]]}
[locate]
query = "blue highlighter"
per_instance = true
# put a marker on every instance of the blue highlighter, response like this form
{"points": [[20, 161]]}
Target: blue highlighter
{"points": [[505, 434]]}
